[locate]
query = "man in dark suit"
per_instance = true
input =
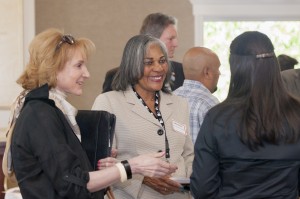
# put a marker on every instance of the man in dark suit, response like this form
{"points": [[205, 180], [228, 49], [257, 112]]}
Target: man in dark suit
{"points": [[163, 27]]}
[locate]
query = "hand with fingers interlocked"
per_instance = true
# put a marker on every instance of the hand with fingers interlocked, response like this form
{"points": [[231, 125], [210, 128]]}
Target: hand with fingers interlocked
{"points": [[163, 185]]}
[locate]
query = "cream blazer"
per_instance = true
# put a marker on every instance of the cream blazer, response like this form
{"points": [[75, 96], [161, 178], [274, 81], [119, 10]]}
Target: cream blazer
{"points": [[138, 132]]}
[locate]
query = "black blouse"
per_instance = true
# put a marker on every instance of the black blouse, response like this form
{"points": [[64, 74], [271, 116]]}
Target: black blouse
{"points": [[225, 168]]}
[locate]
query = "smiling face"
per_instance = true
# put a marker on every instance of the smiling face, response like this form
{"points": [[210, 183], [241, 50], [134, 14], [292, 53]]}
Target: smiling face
{"points": [[71, 78], [169, 37], [155, 70]]}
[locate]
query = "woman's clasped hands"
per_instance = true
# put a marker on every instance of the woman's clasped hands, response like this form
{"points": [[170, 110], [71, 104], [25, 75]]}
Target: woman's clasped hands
{"points": [[163, 185]]}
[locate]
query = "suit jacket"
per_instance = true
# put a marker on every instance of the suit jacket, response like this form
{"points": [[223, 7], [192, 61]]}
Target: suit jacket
{"points": [[291, 79], [176, 79], [108, 80], [138, 132], [177, 75]]}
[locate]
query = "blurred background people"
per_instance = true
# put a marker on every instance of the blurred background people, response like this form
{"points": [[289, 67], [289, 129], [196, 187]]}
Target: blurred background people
{"points": [[290, 76], [286, 62], [248, 145], [164, 27], [149, 118], [201, 71], [47, 156], [291, 80]]}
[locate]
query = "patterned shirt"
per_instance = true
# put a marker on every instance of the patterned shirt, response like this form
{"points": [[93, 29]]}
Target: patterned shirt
{"points": [[200, 101]]}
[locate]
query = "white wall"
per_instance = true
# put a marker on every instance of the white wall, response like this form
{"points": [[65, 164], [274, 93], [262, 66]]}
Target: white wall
{"points": [[15, 32]]}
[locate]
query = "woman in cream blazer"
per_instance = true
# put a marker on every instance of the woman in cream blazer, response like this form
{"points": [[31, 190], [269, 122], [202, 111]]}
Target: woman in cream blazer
{"points": [[139, 129]]}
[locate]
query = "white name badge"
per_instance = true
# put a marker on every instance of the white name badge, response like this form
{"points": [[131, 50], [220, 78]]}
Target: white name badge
{"points": [[181, 128]]}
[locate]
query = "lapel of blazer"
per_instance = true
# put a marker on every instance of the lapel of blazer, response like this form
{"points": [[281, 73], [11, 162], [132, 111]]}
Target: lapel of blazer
{"points": [[138, 107], [165, 105]]}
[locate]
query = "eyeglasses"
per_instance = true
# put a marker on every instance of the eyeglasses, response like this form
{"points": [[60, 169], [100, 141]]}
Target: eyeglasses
{"points": [[65, 39]]}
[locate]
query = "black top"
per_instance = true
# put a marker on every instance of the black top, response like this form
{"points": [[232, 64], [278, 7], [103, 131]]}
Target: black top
{"points": [[225, 168], [176, 79], [48, 159]]}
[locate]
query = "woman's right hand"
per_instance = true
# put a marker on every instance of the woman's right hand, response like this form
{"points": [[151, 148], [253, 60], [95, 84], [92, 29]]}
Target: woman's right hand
{"points": [[151, 165]]}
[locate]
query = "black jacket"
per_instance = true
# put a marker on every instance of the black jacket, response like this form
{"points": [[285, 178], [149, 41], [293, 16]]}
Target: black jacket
{"points": [[177, 75], [48, 158]]}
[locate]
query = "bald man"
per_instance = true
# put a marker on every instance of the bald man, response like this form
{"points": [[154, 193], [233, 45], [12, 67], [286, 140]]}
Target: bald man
{"points": [[201, 71]]}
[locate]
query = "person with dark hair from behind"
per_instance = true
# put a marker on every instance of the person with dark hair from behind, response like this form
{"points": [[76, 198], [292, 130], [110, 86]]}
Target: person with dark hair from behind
{"points": [[286, 62], [163, 27], [248, 145]]}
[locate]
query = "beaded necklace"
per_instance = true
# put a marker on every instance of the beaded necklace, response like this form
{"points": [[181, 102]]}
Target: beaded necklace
{"points": [[158, 116]]}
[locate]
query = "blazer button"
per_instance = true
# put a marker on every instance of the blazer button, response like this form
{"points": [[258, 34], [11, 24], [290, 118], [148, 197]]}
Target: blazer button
{"points": [[160, 132]]}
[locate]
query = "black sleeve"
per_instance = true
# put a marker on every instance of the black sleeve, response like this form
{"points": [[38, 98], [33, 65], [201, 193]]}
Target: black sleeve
{"points": [[106, 87], [205, 180]]}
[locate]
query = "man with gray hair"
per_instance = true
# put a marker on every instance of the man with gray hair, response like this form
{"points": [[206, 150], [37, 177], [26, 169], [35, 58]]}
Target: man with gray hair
{"points": [[163, 27]]}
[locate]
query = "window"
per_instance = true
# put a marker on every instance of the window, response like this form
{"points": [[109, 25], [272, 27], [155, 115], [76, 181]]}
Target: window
{"points": [[217, 22], [218, 35]]}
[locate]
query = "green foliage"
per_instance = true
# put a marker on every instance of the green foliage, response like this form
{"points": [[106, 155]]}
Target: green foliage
{"points": [[218, 36]]}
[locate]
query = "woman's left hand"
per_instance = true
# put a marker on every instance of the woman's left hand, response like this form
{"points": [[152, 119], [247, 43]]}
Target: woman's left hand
{"points": [[114, 153], [106, 162], [164, 185]]}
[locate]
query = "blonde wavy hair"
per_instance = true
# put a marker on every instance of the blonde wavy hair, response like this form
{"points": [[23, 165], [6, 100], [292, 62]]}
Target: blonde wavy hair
{"points": [[48, 55]]}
